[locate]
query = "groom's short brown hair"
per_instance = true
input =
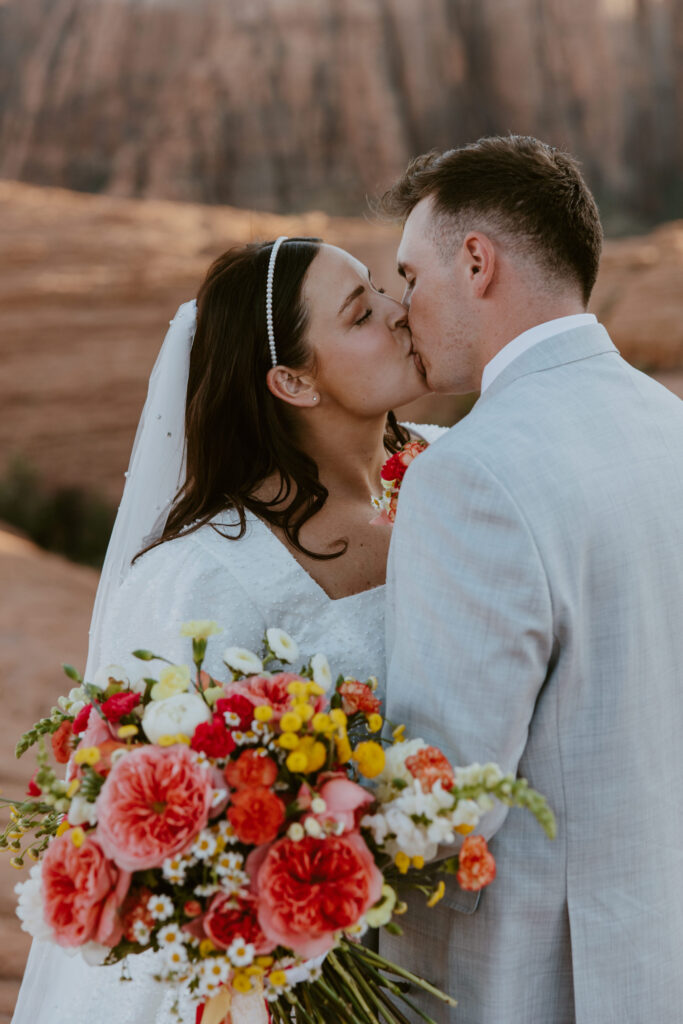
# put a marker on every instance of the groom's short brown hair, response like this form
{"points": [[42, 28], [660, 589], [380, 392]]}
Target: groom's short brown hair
{"points": [[530, 192]]}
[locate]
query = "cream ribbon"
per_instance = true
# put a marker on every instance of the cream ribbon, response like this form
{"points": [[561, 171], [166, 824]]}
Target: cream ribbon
{"points": [[227, 1007]]}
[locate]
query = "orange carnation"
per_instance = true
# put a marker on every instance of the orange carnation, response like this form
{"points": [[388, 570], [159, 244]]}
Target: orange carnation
{"points": [[477, 867], [430, 766], [357, 696], [256, 814], [251, 769]]}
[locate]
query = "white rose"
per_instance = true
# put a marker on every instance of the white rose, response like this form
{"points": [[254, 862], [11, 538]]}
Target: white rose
{"points": [[101, 678], [242, 660], [321, 671], [282, 645], [179, 714]]}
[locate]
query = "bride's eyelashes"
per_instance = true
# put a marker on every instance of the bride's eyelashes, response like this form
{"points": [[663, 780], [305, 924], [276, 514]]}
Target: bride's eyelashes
{"points": [[366, 316]]}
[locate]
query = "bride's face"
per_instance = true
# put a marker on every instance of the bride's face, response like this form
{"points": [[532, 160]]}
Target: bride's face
{"points": [[359, 336]]}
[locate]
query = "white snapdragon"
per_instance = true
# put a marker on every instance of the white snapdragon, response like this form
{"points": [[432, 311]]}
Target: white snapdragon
{"points": [[179, 714], [282, 645], [240, 659], [82, 812]]}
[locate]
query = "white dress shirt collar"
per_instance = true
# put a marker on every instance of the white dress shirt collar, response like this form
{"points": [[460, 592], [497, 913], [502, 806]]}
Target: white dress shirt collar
{"points": [[524, 341]]}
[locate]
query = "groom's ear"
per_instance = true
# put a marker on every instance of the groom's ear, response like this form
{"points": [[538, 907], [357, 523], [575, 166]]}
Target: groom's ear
{"points": [[479, 256], [291, 387]]}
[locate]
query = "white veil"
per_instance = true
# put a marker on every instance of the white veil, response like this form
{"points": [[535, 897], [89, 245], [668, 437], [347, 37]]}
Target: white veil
{"points": [[155, 473]]}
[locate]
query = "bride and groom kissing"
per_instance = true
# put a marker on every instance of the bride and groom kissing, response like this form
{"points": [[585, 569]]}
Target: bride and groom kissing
{"points": [[534, 586]]}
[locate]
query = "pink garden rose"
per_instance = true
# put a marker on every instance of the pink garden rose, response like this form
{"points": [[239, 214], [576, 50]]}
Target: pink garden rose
{"points": [[346, 801], [83, 892], [308, 890], [272, 691], [153, 804]]}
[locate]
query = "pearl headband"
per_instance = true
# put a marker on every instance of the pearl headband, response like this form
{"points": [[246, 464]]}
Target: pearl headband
{"points": [[269, 297]]}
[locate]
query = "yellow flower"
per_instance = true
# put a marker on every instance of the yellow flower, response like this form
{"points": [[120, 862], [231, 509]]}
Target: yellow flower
{"points": [[339, 717], [418, 862], [437, 895], [402, 862], [290, 722], [375, 722], [169, 740], [206, 947], [200, 629], [33, 855], [173, 679], [323, 722], [369, 757], [315, 689], [241, 982], [263, 713], [297, 688], [464, 830], [127, 731], [399, 734], [73, 788], [17, 863], [289, 741], [87, 755], [278, 979], [296, 761], [265, 961], [78, 837], [63, 827], [315, 753], [344, 751], [304, 711]]}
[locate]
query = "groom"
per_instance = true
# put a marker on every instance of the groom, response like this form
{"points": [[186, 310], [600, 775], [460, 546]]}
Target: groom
{"points": [[536, 600]]}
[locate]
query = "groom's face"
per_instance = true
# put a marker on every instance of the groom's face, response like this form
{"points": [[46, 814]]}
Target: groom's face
{"points": [[439, 300]]}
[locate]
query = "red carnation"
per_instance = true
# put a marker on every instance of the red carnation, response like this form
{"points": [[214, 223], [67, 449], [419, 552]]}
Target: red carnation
{"points": [[256, 814], [430, 766], [61, 742], [393, 468], [119, 705], [251, 769], [358, 697], [477, 867], [80, 722], [239, 705], [212, 738], [33, 789]]}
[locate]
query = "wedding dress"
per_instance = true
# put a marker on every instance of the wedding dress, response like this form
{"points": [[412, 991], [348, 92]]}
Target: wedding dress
{"points": [[246, 586]]}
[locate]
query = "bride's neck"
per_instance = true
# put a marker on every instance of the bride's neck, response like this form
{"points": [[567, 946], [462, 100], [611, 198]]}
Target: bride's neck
{"points": [[349, 453]]}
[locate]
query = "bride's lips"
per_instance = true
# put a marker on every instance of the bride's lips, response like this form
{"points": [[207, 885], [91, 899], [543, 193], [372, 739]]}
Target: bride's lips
{"points": [[419, 365]]}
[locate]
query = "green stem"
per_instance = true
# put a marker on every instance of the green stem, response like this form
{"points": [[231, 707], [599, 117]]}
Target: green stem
{"points": [[398, 993], [401, 972], [346, 1009], [334, 962], [371, 993]]}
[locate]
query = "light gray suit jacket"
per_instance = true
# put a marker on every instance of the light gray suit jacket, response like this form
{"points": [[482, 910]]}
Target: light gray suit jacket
{"points": [[536, 619]]}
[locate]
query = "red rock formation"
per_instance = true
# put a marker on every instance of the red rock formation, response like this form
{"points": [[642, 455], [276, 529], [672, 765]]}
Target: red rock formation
{"points": [[287, 104]]}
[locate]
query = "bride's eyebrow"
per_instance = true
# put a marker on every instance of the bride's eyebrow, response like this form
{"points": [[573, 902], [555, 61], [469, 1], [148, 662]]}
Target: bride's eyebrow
{"points": [[354, 294]]}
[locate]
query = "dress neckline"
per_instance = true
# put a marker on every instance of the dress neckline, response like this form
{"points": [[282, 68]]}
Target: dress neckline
{"points": [[285, 556]]}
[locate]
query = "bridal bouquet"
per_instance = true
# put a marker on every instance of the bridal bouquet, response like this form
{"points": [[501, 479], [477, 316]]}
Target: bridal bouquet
{"points": [[248, 830]]}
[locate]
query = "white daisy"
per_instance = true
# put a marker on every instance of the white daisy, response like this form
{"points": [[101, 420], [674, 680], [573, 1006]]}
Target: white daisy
{"points": [[207, 890], [169, 936], [160, 907], [141, 933], [240, 659], [205, 845], [241, 953], [175, 956], [322, 675]]}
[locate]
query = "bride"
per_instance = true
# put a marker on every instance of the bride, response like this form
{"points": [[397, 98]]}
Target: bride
{"points": [[247, 501]]}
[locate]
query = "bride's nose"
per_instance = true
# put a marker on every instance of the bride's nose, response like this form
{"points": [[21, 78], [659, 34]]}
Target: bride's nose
{"points": [[397, 315]]}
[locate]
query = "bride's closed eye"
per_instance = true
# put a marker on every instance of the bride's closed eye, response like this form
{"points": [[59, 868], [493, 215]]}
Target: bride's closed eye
{"points": [[361, 320]]}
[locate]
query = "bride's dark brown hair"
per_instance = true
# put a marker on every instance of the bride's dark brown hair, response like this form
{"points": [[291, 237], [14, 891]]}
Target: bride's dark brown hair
{"points": [[237, 433]]}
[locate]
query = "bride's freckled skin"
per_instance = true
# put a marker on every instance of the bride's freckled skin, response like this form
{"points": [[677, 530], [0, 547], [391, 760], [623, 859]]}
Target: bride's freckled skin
{"points": [[362, 365]]}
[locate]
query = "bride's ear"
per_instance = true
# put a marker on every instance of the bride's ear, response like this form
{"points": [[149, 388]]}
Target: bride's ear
{"points": [[295, 389]]}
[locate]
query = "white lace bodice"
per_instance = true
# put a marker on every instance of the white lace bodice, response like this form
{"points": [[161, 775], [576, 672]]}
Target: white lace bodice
{"points": [[246, 586]]}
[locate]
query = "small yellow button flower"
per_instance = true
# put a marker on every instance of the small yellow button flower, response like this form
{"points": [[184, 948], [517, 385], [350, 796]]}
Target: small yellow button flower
{"points": [[418, 862], [370, 758], [206, 947], [323, 722], [290, 722], [297, 688], [263, 713], [73, 788], [63, 827], [297, 762], [278, 979], [241, 982], [315, 753], [339, 717], [344, 751], [304, 710], [289, 741], [375, 722], [126, 732], [87, 755]]}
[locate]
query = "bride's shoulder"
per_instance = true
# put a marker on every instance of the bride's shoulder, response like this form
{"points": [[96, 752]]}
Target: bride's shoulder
{"points": [[196, 550], [428, 432]]}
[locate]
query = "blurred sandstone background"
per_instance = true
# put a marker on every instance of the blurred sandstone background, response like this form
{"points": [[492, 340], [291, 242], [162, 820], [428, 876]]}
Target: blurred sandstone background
{"points": [[140, 138]]}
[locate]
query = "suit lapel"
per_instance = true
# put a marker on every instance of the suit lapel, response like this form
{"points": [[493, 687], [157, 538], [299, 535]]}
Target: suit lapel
{"points": [[568, 347]]}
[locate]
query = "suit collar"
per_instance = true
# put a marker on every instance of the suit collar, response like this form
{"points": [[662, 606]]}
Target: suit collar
{"points": [[568, 347]]}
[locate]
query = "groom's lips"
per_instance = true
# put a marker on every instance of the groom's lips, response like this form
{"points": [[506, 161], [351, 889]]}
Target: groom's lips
{"points": [[419, 365]]}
